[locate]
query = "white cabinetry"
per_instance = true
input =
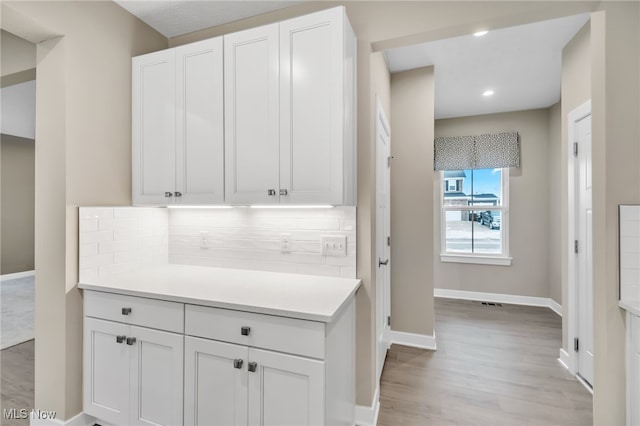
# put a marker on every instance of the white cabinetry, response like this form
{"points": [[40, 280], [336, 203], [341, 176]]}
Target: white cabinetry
{"points": [[290, 112], [633, 369], [132, 375], [260, 369], [177, 125]]}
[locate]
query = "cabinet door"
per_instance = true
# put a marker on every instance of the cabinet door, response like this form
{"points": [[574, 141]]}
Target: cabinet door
{"points": [[251, 116], [156, 377], [199, 123], [215, 384], [153, 127], [312, 108], [106, 371], [285, 390]]}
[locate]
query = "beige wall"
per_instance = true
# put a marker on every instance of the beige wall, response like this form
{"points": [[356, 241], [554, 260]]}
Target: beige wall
{"points": [[555, 186], [83, 146], [17, 54], [528, 207], [576, 90], [17, 204], [412, 107], [615, 53]]}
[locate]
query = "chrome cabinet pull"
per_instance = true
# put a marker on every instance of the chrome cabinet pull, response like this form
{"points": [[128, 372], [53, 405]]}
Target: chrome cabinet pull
{"points": [[245, 331], [237, 363], [126, 311], [168, 194], [120, 339], [131, 341], [271, 192], [178, 194], [252, 366], [284, 192]]}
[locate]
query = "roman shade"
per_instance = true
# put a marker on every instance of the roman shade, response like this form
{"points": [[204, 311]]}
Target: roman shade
{"points": [[477, 152]]}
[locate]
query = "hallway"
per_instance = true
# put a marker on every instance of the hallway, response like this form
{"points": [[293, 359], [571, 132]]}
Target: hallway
{"points": [[495, 365]]}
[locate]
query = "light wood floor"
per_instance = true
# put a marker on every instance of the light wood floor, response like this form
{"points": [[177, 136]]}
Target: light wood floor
{"points": [[16, 385], [493, 366]]}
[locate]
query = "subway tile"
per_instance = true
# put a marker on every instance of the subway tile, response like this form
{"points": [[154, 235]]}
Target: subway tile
{"points": [[96, 260], [348, 272], [630, 213], [90, 249], [95, 237], [88, 275], [88, 225], [95, 213], [341, 260], [122, 212]]}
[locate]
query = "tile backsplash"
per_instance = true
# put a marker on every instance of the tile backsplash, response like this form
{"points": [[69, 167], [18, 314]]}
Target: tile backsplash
{"points": [[630, 253], [122, 239], [246, 238]]}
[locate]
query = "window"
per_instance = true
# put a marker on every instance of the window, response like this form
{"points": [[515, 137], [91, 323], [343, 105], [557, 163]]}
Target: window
{"points": [[474, 216]]}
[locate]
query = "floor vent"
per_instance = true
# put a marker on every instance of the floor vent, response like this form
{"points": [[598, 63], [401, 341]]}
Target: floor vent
{"points": [[491, 304]]}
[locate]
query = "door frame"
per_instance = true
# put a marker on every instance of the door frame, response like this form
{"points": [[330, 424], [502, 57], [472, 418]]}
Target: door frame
{"points": [[574, 116], [381, 121]]}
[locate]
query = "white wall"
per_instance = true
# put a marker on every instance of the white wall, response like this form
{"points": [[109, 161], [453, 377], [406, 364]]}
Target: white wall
{"points": [[18, 116]]}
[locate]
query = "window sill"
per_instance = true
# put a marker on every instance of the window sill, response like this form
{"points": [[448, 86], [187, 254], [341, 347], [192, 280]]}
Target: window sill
{"points": [[478, 260]]}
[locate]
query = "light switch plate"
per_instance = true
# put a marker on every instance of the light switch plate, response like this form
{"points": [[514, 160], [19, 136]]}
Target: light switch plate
{"points": [[334, 245]]}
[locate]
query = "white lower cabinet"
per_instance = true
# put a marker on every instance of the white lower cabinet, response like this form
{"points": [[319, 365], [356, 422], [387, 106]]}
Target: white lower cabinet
{"points": [[633, 370], [232, 385]]}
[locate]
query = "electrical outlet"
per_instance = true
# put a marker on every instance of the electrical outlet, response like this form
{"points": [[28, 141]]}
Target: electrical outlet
{"points": [[204, 240], [285, 243], [334, 245]]}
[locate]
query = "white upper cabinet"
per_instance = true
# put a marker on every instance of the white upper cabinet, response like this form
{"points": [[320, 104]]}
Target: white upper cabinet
{"points": [[178, 129], [261, 116], [153, 127], [251, 115], [317, 57], [200, 123]]}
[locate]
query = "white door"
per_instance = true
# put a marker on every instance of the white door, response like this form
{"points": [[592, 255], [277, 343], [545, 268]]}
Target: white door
{"points": [[215, 383], [383, 237], [106, 371], [156, 377], [584, 232], [153, 128], [199, 123], [311, 108], [251, 94], [285, 390]]}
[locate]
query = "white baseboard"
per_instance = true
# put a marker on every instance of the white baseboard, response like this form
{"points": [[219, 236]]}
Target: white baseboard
{"points": [[499, 298], [368, 416], [421, 341], [565, 360], [16, 275], [81, 419]]}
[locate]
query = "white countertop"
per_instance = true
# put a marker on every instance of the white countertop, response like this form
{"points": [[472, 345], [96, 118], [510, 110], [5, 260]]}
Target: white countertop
{"points": [[309, 297], [630, 306]]}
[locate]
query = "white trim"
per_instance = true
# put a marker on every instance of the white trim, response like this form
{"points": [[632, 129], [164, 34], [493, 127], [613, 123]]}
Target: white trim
{"points": [[80, 419], [572, 286], [422, 341], [555, 306], [586, 384], [16, 275], [498, 298], [565, 360], [368, 416], [479, 260]]}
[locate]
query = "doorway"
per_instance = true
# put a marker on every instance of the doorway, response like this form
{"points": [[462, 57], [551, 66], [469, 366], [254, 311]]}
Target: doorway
{"points": [[383, 238], [581, 243]]}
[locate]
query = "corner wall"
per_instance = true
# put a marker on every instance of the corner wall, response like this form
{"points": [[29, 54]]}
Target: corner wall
{"points": [[412, 176], [555, 203]]}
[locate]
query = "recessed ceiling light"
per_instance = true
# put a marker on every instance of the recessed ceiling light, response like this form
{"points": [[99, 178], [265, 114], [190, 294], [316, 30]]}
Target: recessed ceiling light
{"points": [[488, 93], [480, 33]]}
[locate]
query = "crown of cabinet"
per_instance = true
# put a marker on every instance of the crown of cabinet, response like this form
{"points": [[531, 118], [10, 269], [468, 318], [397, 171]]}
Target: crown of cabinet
{"points": [[261, 116]]}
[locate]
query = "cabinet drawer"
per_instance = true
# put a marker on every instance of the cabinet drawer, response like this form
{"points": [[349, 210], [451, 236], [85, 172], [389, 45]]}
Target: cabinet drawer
{"points": [[152, 313], [281, 334]]}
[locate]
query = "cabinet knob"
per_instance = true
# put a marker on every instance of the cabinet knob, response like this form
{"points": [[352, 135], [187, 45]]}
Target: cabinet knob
{"points": [[131, 341], [120, 339], [284, 192], [252, 366], [178, 194], [168, 194], [245, 331], [271, 192], [126, 311], [237, 363]]}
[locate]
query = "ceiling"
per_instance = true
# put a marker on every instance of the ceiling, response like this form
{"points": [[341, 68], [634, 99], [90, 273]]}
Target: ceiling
{"points": [[172, 18], [522, 65]]}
